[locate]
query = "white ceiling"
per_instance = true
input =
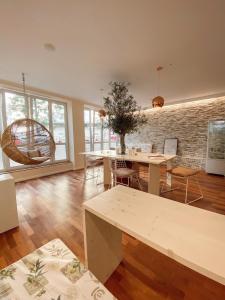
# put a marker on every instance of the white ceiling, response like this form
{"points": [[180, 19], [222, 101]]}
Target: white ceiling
{"points": [[102, 40]]}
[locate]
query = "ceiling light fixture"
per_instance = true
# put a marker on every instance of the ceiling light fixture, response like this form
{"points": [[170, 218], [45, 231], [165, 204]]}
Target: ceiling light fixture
{"points": [[158, 101], [49, 47]]}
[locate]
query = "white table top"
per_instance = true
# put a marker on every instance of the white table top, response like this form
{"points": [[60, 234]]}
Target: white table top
{"points": [[189, 235], [150, 158]]}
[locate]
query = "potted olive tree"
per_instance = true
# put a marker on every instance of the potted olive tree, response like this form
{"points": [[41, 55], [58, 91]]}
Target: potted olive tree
{"points": [[124, 116]]}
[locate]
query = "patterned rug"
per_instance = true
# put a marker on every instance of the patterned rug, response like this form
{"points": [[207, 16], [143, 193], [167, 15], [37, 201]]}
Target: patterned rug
{"points": [[51, 272]]}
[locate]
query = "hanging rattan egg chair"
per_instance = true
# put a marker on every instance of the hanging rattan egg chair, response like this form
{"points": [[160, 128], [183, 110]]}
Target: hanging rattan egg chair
{"points": [[28, 142]]}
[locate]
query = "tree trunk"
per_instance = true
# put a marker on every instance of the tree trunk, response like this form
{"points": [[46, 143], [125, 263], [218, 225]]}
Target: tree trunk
{"points": [[122, 144]]}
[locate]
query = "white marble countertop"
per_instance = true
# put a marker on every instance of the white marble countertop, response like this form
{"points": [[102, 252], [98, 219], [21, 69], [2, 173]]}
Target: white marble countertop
{"points": [[150, 158], [189, 235]]}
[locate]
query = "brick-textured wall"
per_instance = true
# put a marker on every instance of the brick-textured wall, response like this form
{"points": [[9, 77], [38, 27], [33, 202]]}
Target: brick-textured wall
{"points": [[188, 122]]}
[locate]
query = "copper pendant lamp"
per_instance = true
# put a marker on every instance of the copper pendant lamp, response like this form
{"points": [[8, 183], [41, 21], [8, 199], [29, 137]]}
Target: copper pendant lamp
{"points": [[158, 101], [102, 113]]}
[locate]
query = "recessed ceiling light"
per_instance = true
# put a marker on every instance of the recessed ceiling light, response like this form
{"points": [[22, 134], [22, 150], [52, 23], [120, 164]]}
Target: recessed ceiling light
{"points": [[49, 47]]}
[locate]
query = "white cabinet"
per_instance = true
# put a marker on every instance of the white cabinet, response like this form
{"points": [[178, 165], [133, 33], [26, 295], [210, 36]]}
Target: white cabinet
{"points": [[215, 158], [8, 207]]}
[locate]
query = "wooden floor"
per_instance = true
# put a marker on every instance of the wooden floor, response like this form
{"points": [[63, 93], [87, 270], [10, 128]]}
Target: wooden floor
{"points": [[51, 207]]}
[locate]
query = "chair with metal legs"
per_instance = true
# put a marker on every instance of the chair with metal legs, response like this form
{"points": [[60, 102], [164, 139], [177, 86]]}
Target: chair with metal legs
{"points": [[120, 172], [185, 174]]}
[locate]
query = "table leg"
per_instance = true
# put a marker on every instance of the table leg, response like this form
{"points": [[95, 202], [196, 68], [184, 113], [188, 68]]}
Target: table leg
{"points": [[168, 175], [107, 171], [103, 246], [154, 179]]}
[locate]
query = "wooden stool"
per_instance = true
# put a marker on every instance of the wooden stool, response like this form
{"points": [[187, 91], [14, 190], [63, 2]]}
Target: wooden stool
{"points": [[186, 174]]}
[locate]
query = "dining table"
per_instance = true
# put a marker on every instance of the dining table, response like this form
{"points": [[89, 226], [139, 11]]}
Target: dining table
{"points": [[153, 160]]}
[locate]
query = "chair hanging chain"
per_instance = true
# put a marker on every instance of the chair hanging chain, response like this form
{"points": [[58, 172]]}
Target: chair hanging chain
{"points": [[23, 79]]}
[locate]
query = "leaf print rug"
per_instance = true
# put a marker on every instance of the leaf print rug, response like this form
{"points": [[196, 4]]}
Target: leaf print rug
{"points": [[51, 272]]}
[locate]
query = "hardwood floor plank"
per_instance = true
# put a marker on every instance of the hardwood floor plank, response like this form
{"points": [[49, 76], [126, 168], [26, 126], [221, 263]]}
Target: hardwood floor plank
{"points": [[51, 207]]}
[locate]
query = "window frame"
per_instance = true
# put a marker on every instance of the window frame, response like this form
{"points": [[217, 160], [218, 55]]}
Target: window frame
{"points": [[91, 126], [29, 114], [66, 129]]}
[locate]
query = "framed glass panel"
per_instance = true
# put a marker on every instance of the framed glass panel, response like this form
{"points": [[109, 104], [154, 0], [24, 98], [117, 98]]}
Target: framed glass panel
{"points": [[51, 114], [105, 146], [16, 107], [40, 111], [113, 140], [87, 147], [97, 136], [58, 123], [87, 126], [60, 152], [105, 135], [97, 128], [97, 146]]}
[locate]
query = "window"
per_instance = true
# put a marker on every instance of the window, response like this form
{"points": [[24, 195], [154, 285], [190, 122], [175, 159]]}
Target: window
{"points": [[97, 132], [97, 137], [59, 130], [52, 114], [16, 107], [87, 129], [40, 111]]}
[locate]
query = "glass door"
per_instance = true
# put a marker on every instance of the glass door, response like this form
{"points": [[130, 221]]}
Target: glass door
{"points": [[215, 160]]}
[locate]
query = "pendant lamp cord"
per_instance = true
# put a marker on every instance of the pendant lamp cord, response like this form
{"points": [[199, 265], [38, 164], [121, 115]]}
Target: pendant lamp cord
{"points": [[158, 69]]}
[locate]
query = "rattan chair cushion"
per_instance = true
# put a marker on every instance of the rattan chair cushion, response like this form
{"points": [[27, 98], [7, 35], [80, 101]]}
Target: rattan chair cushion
{"points": [[34, 153], [183, 171]]}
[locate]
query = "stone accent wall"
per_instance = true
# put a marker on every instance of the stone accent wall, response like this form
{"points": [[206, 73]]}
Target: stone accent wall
{"points": [[188, 122]]}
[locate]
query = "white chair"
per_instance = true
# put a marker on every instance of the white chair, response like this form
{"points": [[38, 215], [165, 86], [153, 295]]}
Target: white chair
{"points": [[120, 171], [181, 172]]}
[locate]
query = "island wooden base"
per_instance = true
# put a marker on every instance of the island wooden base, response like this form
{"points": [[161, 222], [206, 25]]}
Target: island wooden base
{"points": [[103, 246]]}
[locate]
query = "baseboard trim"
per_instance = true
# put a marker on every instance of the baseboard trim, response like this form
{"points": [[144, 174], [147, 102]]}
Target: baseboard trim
{"points": [[37, 172]]}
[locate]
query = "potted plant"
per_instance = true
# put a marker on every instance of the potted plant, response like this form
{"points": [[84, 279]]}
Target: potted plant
{"points": [[124, 116]]}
